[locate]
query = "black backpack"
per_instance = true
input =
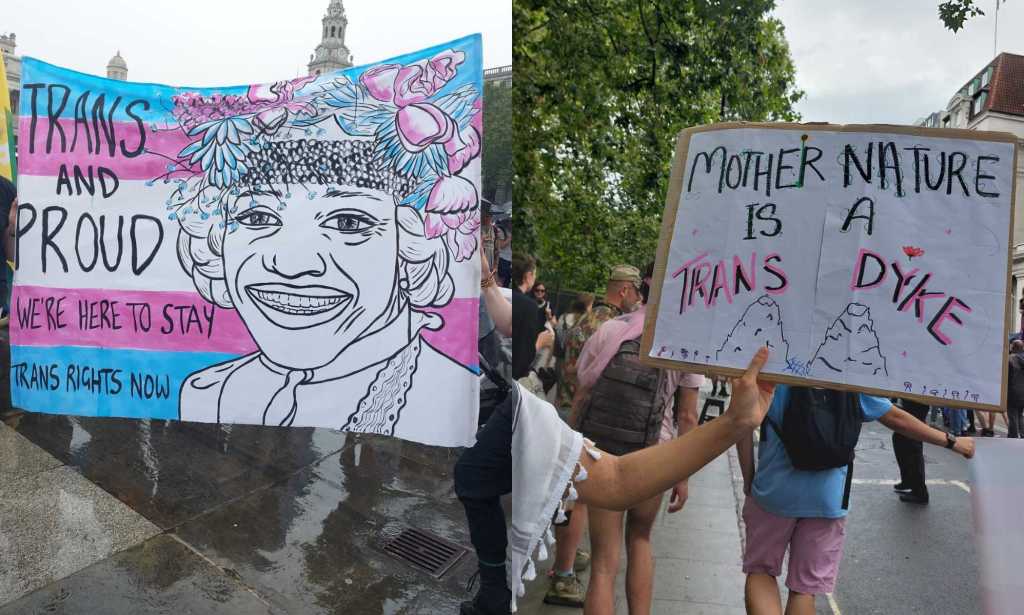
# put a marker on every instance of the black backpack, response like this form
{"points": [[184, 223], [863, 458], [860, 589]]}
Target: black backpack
{"points": [[820, 429]]}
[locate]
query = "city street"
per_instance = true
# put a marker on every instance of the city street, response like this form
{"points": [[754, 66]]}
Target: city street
{"points": [[897, 555], [904, 558]]}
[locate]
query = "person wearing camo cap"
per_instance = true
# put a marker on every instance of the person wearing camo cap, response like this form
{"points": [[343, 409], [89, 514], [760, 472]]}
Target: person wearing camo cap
{"points": [[622, 296]]}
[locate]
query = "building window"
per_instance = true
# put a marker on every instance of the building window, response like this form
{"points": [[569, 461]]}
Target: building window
{"points": [[945, 122], [986, 76], [979, 103], [332, 31]]}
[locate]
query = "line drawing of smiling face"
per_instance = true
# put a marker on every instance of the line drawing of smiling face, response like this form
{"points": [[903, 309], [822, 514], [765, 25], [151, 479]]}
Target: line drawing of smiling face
{"points": [[309, 276]]}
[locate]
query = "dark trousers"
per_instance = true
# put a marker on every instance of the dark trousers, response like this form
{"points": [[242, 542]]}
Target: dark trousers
{"points": [[482, 475], [910, 453], [1013, 418]]}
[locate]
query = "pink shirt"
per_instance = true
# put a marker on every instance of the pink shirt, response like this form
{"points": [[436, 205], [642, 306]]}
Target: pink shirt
{"points": [[603, 345]]}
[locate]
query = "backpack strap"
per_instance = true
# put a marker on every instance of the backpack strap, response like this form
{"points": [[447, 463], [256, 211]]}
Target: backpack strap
{"points": [[849, 486]]}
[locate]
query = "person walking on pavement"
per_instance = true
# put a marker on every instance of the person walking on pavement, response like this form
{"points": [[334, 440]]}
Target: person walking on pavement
{"points": [[528, 320], [658, 401], [910, 458], [566, 322], [622, 295], [798, 498], [1015, 390]]}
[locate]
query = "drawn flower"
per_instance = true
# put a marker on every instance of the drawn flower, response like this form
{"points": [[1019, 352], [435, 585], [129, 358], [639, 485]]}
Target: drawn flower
{"points": [[221, 150], [380, 81], [271, 120], [452, 212], [445, 65], [912, 251], [461, 148], [414, 83], [451, 195], [422, 125]]}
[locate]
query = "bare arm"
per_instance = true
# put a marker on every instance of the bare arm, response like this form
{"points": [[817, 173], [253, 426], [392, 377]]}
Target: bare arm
{"points": [[904, 423], [686, 409], [745, 452], [686, 420], [617, 483], [499, 308]]}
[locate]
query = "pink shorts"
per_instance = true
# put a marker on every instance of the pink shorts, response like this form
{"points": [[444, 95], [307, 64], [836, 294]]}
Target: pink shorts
{"points": [[815, 548]]}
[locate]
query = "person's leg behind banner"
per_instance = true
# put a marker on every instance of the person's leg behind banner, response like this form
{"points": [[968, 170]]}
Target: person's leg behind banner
{"points": [[1013, 416], [566, 588], [482, 475], [640, 556], [606, 553]]}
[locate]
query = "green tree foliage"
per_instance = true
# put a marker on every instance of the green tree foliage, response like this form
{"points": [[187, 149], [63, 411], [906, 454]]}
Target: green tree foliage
{"points": [[497, 146], [955, 12], [602, 89]]}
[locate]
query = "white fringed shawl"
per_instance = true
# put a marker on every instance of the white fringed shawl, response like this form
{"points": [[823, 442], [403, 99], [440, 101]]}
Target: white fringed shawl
{"points": [[545, 453]]}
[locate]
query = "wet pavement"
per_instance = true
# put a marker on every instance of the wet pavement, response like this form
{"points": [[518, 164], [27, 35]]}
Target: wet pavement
{"points": [[218, 519]]}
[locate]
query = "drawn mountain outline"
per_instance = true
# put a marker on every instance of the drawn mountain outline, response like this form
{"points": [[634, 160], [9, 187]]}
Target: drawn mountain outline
{"points": [[760, 325], [851, 344]]}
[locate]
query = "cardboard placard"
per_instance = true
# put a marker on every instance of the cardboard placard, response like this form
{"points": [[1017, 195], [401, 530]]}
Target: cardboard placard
{"points": [[868, 258]]}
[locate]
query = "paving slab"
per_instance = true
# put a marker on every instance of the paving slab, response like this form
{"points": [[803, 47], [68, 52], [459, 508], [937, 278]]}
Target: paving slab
{"points": [[675, 607], [20, 458], [160, 576], [162, 469], [313, 543], [55, 523]]}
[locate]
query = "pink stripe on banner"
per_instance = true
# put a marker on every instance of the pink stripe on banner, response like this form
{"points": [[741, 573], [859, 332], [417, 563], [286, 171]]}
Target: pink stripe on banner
{"points": [[458, 342], [144, 166], [107, 318], [43, 316]]}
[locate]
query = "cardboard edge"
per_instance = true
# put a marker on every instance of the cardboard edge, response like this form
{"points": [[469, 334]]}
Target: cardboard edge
{"points": [[734, 372], [668, 224]]}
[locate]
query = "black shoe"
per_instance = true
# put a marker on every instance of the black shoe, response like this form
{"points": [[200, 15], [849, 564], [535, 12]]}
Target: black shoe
{"points": [[901, 488], [913, 498], [988, 433], [481, 606], [971, 430]]}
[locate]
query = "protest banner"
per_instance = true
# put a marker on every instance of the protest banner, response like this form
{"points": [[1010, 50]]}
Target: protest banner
{"points": [[868, 258], [300, 253]]}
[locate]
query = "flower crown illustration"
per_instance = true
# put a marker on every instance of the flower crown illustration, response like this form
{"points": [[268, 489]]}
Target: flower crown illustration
{"points": [[404, 138]]}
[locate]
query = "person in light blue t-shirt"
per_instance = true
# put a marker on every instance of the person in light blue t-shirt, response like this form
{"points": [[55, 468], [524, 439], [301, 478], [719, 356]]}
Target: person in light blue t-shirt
{"points": [[802, 511]]}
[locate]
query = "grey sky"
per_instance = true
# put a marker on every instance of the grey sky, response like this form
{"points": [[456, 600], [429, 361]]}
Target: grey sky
{"points": [[227, 42], [888, 61]]}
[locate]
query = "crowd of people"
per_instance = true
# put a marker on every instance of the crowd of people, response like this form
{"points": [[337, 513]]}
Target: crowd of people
{"points": [[584, 360]]}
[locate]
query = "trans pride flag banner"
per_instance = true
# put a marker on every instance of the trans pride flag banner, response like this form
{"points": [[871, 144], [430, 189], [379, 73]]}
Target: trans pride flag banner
{"points": [[299, 253]]}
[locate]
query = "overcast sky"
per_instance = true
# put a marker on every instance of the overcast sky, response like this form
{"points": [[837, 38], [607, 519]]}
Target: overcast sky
{"points": [[888, 61], [228, 42]]}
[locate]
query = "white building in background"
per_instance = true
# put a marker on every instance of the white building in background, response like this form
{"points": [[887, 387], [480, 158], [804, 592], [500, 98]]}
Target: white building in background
{"points": [[12, 62], [993, 99], [332, 54], [117, 68]]}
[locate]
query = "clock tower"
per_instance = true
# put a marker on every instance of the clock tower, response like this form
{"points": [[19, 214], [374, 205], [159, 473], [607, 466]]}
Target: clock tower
{"points": [[332, 54]]}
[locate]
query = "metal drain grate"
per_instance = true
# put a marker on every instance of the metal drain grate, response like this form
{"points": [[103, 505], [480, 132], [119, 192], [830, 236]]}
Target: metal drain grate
{"points": [[425, 551]]}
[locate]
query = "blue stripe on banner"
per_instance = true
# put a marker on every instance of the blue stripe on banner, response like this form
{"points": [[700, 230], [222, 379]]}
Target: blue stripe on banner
{"points": [[93, 382], [159, 96]]}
